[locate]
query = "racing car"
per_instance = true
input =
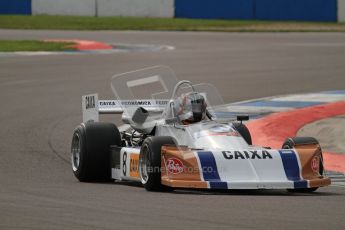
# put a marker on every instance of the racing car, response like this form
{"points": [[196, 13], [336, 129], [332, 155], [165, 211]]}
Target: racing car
{"points": [[174, 138]]}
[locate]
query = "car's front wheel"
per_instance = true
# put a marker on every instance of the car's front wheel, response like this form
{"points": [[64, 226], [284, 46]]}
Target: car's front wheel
{"points": [[291, 143], [150, 162], [244, 131]]}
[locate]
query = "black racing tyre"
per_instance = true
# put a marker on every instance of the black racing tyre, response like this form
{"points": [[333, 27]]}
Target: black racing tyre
{"points": [[150, 162], [244, 131], [290, 143], [90, 150]]}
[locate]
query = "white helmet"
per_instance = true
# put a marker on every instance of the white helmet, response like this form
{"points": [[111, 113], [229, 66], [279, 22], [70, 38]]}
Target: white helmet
{"points": [[190, 107]]}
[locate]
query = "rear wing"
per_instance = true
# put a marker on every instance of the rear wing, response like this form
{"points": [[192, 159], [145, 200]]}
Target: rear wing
{"points": [[92, 106]]}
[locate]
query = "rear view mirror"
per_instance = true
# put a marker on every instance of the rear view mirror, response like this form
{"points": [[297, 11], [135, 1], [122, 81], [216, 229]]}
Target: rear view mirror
{"points": [[242, 118]]}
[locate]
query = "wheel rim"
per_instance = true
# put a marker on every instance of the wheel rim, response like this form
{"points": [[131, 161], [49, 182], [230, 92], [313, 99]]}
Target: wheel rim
{"points": [[144, 164], [75, 152]]}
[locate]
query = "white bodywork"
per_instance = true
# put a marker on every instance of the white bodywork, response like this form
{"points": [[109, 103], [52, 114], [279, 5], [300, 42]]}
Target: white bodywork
{"points": [[127, 169], [204, 135], [215, 144]]}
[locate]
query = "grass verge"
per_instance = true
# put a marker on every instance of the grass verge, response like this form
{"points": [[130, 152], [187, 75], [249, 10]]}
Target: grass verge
{"points": [[175, 24], [16, 46]]}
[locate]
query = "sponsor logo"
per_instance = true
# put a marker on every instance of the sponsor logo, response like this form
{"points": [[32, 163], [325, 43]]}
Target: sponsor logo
{"points": [[161, 102], [174, 165], [126, 103], [221, 129], [262, 154], [217, 130], [107, 103], [90, 102], [315, 164], [133, 103], [207, 133], [134, 166]]}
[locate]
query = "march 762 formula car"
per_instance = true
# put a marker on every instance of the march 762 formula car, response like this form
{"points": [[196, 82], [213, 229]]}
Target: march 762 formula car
{"points": [[175, 138]]}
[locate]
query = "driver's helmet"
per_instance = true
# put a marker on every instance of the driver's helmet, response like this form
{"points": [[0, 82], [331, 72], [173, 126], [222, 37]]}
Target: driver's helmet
{"points": [[190, 107]]}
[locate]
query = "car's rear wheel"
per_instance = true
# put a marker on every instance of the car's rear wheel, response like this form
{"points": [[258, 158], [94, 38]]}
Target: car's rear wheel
{"points": [[291, 143], [244, 131], [90, 150], [150, 162]]}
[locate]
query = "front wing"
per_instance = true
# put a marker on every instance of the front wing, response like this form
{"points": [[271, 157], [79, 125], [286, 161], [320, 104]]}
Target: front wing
{"points": [[243, 169]]}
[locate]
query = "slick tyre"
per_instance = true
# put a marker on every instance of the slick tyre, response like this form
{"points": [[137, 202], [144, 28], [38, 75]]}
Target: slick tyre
{"points": [[90, 150], [290, 143], [150, 162], [244, 131]]}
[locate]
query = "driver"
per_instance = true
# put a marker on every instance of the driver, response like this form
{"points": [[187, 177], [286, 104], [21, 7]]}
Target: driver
{"points": [[190, 108]]}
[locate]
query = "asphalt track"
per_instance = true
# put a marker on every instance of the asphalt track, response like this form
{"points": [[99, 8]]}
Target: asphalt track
{"points": [[40, 106]]}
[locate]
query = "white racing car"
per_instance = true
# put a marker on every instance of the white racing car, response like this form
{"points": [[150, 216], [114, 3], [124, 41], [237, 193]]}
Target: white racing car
{"points": [[173, 138]]}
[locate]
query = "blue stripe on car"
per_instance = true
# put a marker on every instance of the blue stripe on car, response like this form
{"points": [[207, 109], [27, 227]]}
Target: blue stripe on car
{"points": [[292, 169], [210, 170], [219, 185]]}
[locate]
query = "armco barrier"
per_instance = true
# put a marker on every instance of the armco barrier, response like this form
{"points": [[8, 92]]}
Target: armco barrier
{"points": [[215, 9], [64, 7], [299, 10], [136, 8], [15, 6]]}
